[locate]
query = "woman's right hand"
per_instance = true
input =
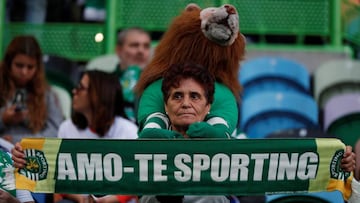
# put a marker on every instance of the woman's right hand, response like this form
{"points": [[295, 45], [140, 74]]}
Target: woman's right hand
{"points": [[13, 117], [18, 156]]}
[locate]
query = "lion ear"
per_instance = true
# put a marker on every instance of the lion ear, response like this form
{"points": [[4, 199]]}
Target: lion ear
{"points": [[192, 7]]}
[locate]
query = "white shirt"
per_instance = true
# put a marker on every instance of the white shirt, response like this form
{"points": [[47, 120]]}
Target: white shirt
{"points": [[24, 196], [120, 129], [355, 194]]}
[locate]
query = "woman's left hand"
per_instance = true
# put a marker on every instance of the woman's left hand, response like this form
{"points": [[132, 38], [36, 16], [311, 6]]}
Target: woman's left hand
{"points": [[348, 160]]}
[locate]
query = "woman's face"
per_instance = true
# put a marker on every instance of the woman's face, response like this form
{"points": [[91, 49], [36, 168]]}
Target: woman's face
{"points": [[23, 69], [81, 101], [186, 104]]}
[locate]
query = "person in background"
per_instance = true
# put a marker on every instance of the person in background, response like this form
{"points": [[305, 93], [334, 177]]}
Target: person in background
{"points": [[133, 51], [94, 10], [28, 107], [29, 11], [98, 108]]}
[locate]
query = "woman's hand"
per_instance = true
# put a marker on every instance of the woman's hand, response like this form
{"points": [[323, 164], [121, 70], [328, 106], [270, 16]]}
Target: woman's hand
{"points": [[18, 156], [13, 117], [106, 199], [6, 197], [348, 160], [79, 198]]}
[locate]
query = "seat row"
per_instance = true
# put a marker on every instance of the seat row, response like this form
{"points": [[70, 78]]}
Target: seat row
{"points": [[280, 94]]}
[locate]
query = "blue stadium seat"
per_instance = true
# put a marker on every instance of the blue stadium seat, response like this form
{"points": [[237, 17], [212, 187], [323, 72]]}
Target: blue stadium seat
{"points": [[270, 111], [300, 133], [316, 197], [273, 73], [42, 197]]}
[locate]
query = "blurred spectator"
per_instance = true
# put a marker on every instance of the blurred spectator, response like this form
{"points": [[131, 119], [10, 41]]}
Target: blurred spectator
{"points": [[63, 11], [35, 11], [93, 10], [98, 114], [27, 105], [133, 50], [31, 11], [41, 11], [350, 20], [98, 107]]}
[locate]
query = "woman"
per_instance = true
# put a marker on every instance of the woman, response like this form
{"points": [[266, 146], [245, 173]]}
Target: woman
{"points": [[188, 91], [98, 108], [27, 106]]}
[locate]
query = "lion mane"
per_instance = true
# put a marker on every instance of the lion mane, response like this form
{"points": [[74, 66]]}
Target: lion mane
{"points": [[184, 41]]}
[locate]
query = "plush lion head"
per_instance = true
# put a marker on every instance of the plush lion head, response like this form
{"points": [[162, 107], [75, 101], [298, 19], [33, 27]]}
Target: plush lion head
{"points": [[209, 37]]}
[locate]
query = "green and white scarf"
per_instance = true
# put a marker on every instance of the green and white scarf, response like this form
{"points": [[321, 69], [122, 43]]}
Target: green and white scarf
{"points": [[172, 167]]}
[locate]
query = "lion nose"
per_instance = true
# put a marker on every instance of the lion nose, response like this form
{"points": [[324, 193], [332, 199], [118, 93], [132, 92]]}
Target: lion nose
{"points": [[230, 9]]}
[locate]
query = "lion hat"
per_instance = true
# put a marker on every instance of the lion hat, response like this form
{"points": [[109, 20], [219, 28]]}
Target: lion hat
{"points": [[209, 37]]}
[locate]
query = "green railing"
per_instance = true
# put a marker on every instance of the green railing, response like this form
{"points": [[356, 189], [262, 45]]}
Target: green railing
{"points": [[298, 18], [69, 40]]}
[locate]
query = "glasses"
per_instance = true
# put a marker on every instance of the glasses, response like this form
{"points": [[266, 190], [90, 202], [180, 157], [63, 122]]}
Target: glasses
{"points": [[80, 87]]}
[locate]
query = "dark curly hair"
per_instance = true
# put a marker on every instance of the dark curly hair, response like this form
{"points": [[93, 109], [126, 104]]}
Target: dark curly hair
{"points": [[177, 72]]}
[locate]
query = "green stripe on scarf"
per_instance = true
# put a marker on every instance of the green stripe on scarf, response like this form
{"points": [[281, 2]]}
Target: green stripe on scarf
{"points": [[221, 166]]}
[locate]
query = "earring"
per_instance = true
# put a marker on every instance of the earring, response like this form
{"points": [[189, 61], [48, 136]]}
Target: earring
{"points": [[208, 112]]}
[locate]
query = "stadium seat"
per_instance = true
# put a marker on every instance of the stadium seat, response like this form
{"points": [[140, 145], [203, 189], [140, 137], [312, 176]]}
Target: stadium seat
{"points": [[300, 133], [342, 117], [62, 87], [336, 77], [106, 63], [42, 197], [273, 73], [64, 99], [316, 197], [271, 111]]}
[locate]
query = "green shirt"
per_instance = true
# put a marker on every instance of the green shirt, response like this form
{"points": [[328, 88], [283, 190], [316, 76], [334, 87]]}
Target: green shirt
{"points": [[128, 79]]}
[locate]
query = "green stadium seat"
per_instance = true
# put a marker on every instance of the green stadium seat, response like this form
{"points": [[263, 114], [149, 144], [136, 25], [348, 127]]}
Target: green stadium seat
{"points": [[342, 117]]}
